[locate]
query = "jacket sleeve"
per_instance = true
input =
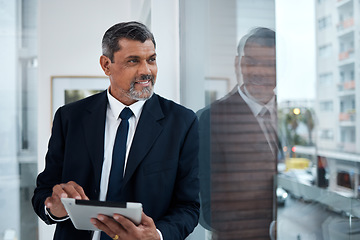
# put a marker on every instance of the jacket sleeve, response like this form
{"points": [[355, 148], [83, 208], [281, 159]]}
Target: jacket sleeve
{"points": [[52, 173]]}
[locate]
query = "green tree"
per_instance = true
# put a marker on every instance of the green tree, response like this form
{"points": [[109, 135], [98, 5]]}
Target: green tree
{"points": [[289, 124]]}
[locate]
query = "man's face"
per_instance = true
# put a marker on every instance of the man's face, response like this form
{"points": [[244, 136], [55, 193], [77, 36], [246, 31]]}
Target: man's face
{"points": [[133, 71], [258, 68]]}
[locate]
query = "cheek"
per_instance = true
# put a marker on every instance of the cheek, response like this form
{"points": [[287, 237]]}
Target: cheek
{"points": [[121, 81], [154, 69]]}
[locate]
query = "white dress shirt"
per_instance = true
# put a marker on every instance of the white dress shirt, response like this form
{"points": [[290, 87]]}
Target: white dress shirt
{"points": [[111, 125], [113, 111], [112, 122], [258, 109]]}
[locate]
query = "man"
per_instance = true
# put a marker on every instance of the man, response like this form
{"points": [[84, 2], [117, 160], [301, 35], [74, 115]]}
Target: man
{"points": [[160, 169], [238, 146]]}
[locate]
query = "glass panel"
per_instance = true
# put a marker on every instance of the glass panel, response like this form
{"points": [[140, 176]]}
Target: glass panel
{"points": [[315, 194], [18, 124], [324, 189], [228, 78]]}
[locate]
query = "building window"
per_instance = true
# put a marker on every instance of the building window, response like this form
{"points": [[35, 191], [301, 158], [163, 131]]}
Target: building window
{"points": [[344, 179], [342, 76], [326, 106], [325, 50], [321, 1], [326, 79], [326, 134], [324, 23], [348, 135], [352, 75]]}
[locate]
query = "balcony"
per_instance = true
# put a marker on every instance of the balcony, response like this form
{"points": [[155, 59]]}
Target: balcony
{"points": [[341, 3], [347, 116], [350, 85], [346, 24], [346, 54], [345, 86], [347, 147]]}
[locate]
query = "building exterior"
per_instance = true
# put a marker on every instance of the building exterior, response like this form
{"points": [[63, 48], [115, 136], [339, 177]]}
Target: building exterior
{"points": [[338, 75]]}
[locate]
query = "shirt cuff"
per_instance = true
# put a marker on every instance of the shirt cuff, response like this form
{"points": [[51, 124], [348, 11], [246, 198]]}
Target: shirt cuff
{"points": [[161, 237], [56, 219]]}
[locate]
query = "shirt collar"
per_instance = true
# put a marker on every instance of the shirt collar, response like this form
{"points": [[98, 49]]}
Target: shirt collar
{"points": [[254, 105], [116, 106]]}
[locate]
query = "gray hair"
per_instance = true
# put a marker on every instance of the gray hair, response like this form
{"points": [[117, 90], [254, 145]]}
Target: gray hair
{"points": [[260, 35], [129, 30]]}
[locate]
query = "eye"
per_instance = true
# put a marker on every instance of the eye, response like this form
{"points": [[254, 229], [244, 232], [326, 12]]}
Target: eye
{"points": [[134, 60], [152, 59]]}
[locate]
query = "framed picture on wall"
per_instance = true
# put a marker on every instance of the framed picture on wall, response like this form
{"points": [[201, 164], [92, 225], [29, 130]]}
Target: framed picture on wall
{"points": [[67, 89]]}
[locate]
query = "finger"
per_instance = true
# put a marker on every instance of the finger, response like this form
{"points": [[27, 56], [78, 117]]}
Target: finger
{"points": [[49, 202], [103, 227], [125, 223], [59, 191], [55, 206], [54, 199], [79, 189], [109, 225], [146, 220], [71, 191]]}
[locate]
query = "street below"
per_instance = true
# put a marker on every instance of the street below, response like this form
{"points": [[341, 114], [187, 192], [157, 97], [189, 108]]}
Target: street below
{"points": [[300, 220]]}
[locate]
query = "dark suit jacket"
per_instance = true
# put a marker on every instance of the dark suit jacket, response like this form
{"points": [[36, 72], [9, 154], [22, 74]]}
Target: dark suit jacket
{"points": [[236, 171], [162, 168]]}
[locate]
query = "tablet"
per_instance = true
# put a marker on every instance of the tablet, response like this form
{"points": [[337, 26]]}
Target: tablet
{"points": [[81, 211]]}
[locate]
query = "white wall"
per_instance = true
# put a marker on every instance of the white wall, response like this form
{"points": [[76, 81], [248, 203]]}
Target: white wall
{"points": [[165, 27], [70, 34]]}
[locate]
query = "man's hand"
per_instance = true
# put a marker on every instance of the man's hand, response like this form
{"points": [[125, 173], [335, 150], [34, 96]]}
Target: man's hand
{"points": [[64, 190], [125, 229]]}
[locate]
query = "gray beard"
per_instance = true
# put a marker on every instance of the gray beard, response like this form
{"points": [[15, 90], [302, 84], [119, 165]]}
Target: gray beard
{"points": [[144, 94]]}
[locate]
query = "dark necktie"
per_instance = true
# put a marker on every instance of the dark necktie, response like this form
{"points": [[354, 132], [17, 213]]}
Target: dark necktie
{"points": [[118, 161], [270, 132], [118, 158]]}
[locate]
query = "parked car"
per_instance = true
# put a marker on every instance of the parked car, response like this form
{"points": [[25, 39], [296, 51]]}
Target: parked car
{"points": [[281, 195]]}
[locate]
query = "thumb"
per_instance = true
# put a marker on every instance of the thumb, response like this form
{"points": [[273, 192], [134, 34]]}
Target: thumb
{"points": [[146, 220]]}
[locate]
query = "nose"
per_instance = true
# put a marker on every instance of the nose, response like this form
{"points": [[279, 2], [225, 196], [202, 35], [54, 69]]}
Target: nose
{"points": [[144, 68]]}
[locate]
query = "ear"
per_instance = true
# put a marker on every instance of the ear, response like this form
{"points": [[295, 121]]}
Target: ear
{"points": [[237, 64], [105, 63], [237, 59]]}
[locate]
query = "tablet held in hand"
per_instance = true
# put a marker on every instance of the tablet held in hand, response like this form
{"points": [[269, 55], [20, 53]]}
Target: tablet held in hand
{"points": [[81, 211]]}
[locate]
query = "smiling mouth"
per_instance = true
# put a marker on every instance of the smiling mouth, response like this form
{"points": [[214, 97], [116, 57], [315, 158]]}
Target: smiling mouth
{"points": [[142, 82]]}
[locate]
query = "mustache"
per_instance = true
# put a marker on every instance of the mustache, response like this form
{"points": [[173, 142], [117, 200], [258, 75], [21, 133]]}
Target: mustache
{"points": [[145, 77]]}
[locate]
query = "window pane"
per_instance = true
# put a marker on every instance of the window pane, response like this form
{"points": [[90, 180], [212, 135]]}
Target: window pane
{"points": [[316, 190], [18, 124]]}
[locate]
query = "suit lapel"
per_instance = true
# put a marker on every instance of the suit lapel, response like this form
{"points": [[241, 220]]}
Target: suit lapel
{"points": [[147, 131], [94, 130]]}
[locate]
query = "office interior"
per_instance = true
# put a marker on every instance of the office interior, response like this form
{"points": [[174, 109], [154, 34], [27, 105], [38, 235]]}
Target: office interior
{"points": [[51, 46]]}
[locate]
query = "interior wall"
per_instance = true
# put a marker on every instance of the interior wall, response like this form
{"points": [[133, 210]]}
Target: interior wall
{"points": [[165, 27]]}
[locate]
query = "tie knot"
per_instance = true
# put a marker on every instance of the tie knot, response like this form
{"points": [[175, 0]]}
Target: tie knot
{"points": [[126, 113], [265, 113]]}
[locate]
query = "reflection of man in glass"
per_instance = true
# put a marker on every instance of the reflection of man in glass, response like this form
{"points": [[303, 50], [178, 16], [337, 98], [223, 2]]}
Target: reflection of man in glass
{"points": [[255, 65], [239, 146]]}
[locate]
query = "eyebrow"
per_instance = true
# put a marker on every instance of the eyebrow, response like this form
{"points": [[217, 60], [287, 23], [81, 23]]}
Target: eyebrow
{"points": [[137, 57]]}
